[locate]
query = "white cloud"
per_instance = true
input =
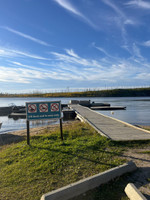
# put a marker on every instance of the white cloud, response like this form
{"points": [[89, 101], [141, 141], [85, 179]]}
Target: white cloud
{"points": [[114, 7], [15, 64], [147, 43], [71, 8], [68, 6], [73, 58], [70, 66], [139, 4], [5, 52], [136, 52], [101, 50], [72, 53], [26, 36], [143, 76], [123, 19], [110, 69]]}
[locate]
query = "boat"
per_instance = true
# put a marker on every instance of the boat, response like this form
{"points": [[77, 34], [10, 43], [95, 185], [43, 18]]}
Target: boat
{"points": [[19, 109]]}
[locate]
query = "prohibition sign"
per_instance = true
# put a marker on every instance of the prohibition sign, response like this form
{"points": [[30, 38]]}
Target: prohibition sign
{"points": [[43, 107], [54, 107], [32, 108]]}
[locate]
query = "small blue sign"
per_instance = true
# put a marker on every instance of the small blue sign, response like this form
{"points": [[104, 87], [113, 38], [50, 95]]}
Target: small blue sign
{"points": [[43, 110]]}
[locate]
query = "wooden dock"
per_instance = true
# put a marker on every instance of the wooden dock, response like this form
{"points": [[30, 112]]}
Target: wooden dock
{"points": [[110, 127]]}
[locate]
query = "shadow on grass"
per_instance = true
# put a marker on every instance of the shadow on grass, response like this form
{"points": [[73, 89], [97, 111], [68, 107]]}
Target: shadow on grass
{"points": [[76, 155], [10, 138], [114, 190], [124, 156]]}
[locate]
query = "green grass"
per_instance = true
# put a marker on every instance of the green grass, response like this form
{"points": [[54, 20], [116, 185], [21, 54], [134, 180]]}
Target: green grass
{"points": [[144, 152], [26, 172]]}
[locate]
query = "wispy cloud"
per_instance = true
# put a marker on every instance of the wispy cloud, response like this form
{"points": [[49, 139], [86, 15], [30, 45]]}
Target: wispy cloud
{"points": [[139, 4], [72, 53], [5, 52], [26, 36], [114, 7], [122, 16], [18, 64], [136, 52], [72, 9], [72, 57], [111, 69], [68, 6], [147, 43], [70, 66], [102, 50]]}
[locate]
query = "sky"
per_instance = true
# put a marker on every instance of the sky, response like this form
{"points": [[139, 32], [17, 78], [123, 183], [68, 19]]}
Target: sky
{"points": [[52, 45]]}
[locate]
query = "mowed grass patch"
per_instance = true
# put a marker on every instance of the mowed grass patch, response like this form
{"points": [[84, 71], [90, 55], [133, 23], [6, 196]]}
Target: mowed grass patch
{"points": [[26, 172]]}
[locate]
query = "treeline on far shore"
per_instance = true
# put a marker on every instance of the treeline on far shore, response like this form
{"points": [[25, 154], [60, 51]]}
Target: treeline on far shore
{"points": [[136, 92]]}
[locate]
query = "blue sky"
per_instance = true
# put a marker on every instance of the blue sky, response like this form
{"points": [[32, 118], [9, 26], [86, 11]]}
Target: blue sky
{"points": [[74, 44]]}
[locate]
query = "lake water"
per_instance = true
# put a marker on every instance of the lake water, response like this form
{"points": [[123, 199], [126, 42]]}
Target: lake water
{"points": [[137, 110]]}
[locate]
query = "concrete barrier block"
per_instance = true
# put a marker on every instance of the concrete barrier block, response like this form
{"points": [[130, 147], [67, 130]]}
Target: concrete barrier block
{"points": [[89, 183], [133, 193]]}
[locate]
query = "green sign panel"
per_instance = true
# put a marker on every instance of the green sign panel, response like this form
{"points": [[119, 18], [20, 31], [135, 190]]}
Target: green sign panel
{"points": [[43, 110]]}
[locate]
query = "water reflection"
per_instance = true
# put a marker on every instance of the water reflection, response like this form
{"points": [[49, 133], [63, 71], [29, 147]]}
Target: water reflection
{"points": [[14, 124], [137, 110]]}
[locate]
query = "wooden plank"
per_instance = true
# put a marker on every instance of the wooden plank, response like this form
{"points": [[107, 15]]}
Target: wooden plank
{"points": [[109, 127]]}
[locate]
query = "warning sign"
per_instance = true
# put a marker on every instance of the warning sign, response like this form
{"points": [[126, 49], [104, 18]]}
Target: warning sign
{"points": [[54, 107], [43, 110], [32, 108], [43, 107]]}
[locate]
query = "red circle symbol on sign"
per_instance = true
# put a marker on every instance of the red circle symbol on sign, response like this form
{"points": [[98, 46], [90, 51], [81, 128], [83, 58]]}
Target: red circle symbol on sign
{"points": [[54, 107], [43, 107], [32, 108]]}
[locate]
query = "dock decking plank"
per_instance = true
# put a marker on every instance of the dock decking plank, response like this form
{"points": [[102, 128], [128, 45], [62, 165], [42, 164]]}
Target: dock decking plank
{"points": [[110, 127]]}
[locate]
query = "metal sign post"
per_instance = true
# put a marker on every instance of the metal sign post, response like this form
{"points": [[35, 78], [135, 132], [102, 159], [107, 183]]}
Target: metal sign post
{"points": [[28, 132], [61, 130], [41, 111]]}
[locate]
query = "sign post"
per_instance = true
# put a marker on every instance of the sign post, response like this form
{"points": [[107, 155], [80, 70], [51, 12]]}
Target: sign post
{"points": [[61, 131], [28, 133], [41, 111]]}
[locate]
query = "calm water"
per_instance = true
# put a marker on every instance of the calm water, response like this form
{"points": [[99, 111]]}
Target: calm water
{"points": [[137, 110]]}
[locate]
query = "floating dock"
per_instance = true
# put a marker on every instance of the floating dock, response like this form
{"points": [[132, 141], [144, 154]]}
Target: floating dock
{"points": [[17, 115], [110, 127], [108, 108], [4, 111]]}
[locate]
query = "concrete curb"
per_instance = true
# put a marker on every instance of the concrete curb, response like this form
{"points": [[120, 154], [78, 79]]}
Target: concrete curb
{"points": [[133, 193], [89, 183]]}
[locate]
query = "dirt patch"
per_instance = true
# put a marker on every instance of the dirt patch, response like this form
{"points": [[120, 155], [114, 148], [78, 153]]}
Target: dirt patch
{"points": [[141, 178]]}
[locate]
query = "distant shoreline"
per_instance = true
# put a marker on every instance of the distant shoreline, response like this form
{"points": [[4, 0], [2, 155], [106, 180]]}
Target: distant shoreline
{"points": [[136, 92]]}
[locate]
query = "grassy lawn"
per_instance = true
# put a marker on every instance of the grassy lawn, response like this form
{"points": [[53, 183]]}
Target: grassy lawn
{"points": [[27, 172]]}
